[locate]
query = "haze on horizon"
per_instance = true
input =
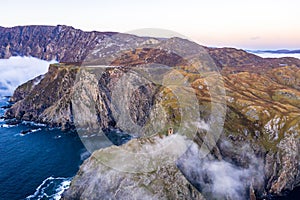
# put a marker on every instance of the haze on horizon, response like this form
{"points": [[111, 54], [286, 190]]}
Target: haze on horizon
{"points": [[256, 24]]}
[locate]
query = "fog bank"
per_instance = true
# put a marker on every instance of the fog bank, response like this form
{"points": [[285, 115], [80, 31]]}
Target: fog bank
{"points": [[17, 70]]}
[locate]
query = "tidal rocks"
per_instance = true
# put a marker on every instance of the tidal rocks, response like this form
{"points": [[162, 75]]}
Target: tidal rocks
{"points": [[24, 132], [6, 106], [262, 113]]}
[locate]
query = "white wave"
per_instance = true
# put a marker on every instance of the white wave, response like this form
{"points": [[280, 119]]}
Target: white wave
{"points": [[31, 131], [7, 126], [60, 190], [35, 130], [41, 193], [33, 124], [57, 137], [17, 70], [53, 128]]}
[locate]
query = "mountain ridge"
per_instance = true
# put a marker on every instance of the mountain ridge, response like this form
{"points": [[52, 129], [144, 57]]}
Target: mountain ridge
{"points": [[262, 98], [48, 42], [279, 51], [14, 42]]}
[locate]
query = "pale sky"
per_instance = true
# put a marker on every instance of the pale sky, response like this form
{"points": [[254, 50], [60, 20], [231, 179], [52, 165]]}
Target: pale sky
{"points": [[255, 24]]}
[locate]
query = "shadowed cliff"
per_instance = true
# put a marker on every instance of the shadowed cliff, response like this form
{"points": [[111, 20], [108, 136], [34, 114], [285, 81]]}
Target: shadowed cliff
{"points": [[261, 129]]}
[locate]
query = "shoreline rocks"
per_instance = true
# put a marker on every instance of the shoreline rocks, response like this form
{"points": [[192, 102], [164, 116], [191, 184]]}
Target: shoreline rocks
{"points": [[262, 97]]}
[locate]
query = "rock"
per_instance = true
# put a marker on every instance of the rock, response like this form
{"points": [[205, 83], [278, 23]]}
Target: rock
{"points": [[262, 100], [12, 122], [62, 43], [23, 132], [6, 106], [67, 44], [98, 180], [23, 90], [252, 193]]}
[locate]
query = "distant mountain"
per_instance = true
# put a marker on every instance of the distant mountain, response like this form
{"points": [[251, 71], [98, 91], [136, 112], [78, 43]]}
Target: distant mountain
{"points": [[62, 43], [67, 44], [280, 51], [259, 146]]}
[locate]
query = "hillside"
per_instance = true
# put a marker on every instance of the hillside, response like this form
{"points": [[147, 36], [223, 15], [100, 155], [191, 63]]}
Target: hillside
{"points": [[253, 103], [62, 43]]}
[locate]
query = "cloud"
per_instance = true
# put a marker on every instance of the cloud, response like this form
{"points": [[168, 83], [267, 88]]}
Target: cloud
{"points": [[17, 70], [221, 179]]}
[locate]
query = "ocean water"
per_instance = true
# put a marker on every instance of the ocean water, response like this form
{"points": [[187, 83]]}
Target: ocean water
{"points": [[37, 165], [40, 164]]}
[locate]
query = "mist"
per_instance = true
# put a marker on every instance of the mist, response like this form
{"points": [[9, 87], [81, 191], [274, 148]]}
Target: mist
{"points": [[17, 70], [220, 178], [278, 55]]}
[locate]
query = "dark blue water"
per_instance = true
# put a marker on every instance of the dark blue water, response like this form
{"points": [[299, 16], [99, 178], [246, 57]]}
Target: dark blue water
{"points": [[38, 165]]}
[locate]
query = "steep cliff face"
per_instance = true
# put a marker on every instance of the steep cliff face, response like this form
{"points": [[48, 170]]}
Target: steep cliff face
{"points": [[163, 181], [262, 98], [262, 113], [37, 101], [25, 89], [67, 44], [62, 43]]}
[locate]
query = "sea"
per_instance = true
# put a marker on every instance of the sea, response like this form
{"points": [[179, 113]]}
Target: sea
{"points": [[39, 164]]}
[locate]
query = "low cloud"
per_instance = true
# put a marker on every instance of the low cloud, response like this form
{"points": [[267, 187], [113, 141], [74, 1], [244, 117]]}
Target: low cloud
{"points": [[17, 70], [221, 179]]}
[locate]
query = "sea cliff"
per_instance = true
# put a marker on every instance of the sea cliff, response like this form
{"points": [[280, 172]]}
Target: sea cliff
{"points": [[258, 144]]}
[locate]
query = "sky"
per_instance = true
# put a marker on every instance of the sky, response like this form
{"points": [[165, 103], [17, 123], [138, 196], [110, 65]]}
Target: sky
{"points": [[255, 24]]}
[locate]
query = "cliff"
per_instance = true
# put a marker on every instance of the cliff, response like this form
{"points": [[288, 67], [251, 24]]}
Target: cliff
{"points": [[67, 44], [259, 141], [162, 181], [62, 43]]}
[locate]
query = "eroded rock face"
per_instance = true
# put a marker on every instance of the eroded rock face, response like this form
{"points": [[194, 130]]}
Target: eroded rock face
{"points": [[262, 113], [62, 43], [98, 179], [49, 96], [24, 89], [289, 165], [54, 99]]}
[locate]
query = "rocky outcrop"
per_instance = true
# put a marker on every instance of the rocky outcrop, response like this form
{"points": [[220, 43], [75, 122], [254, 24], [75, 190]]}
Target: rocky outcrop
{"points": [[237, 60], [37, 100], [262, 98], [62, 43], [67, 44], [97, 179], [24, 89]]}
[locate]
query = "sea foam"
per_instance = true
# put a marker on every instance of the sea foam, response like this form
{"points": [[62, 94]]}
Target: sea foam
{"points": [[50, 188]]}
